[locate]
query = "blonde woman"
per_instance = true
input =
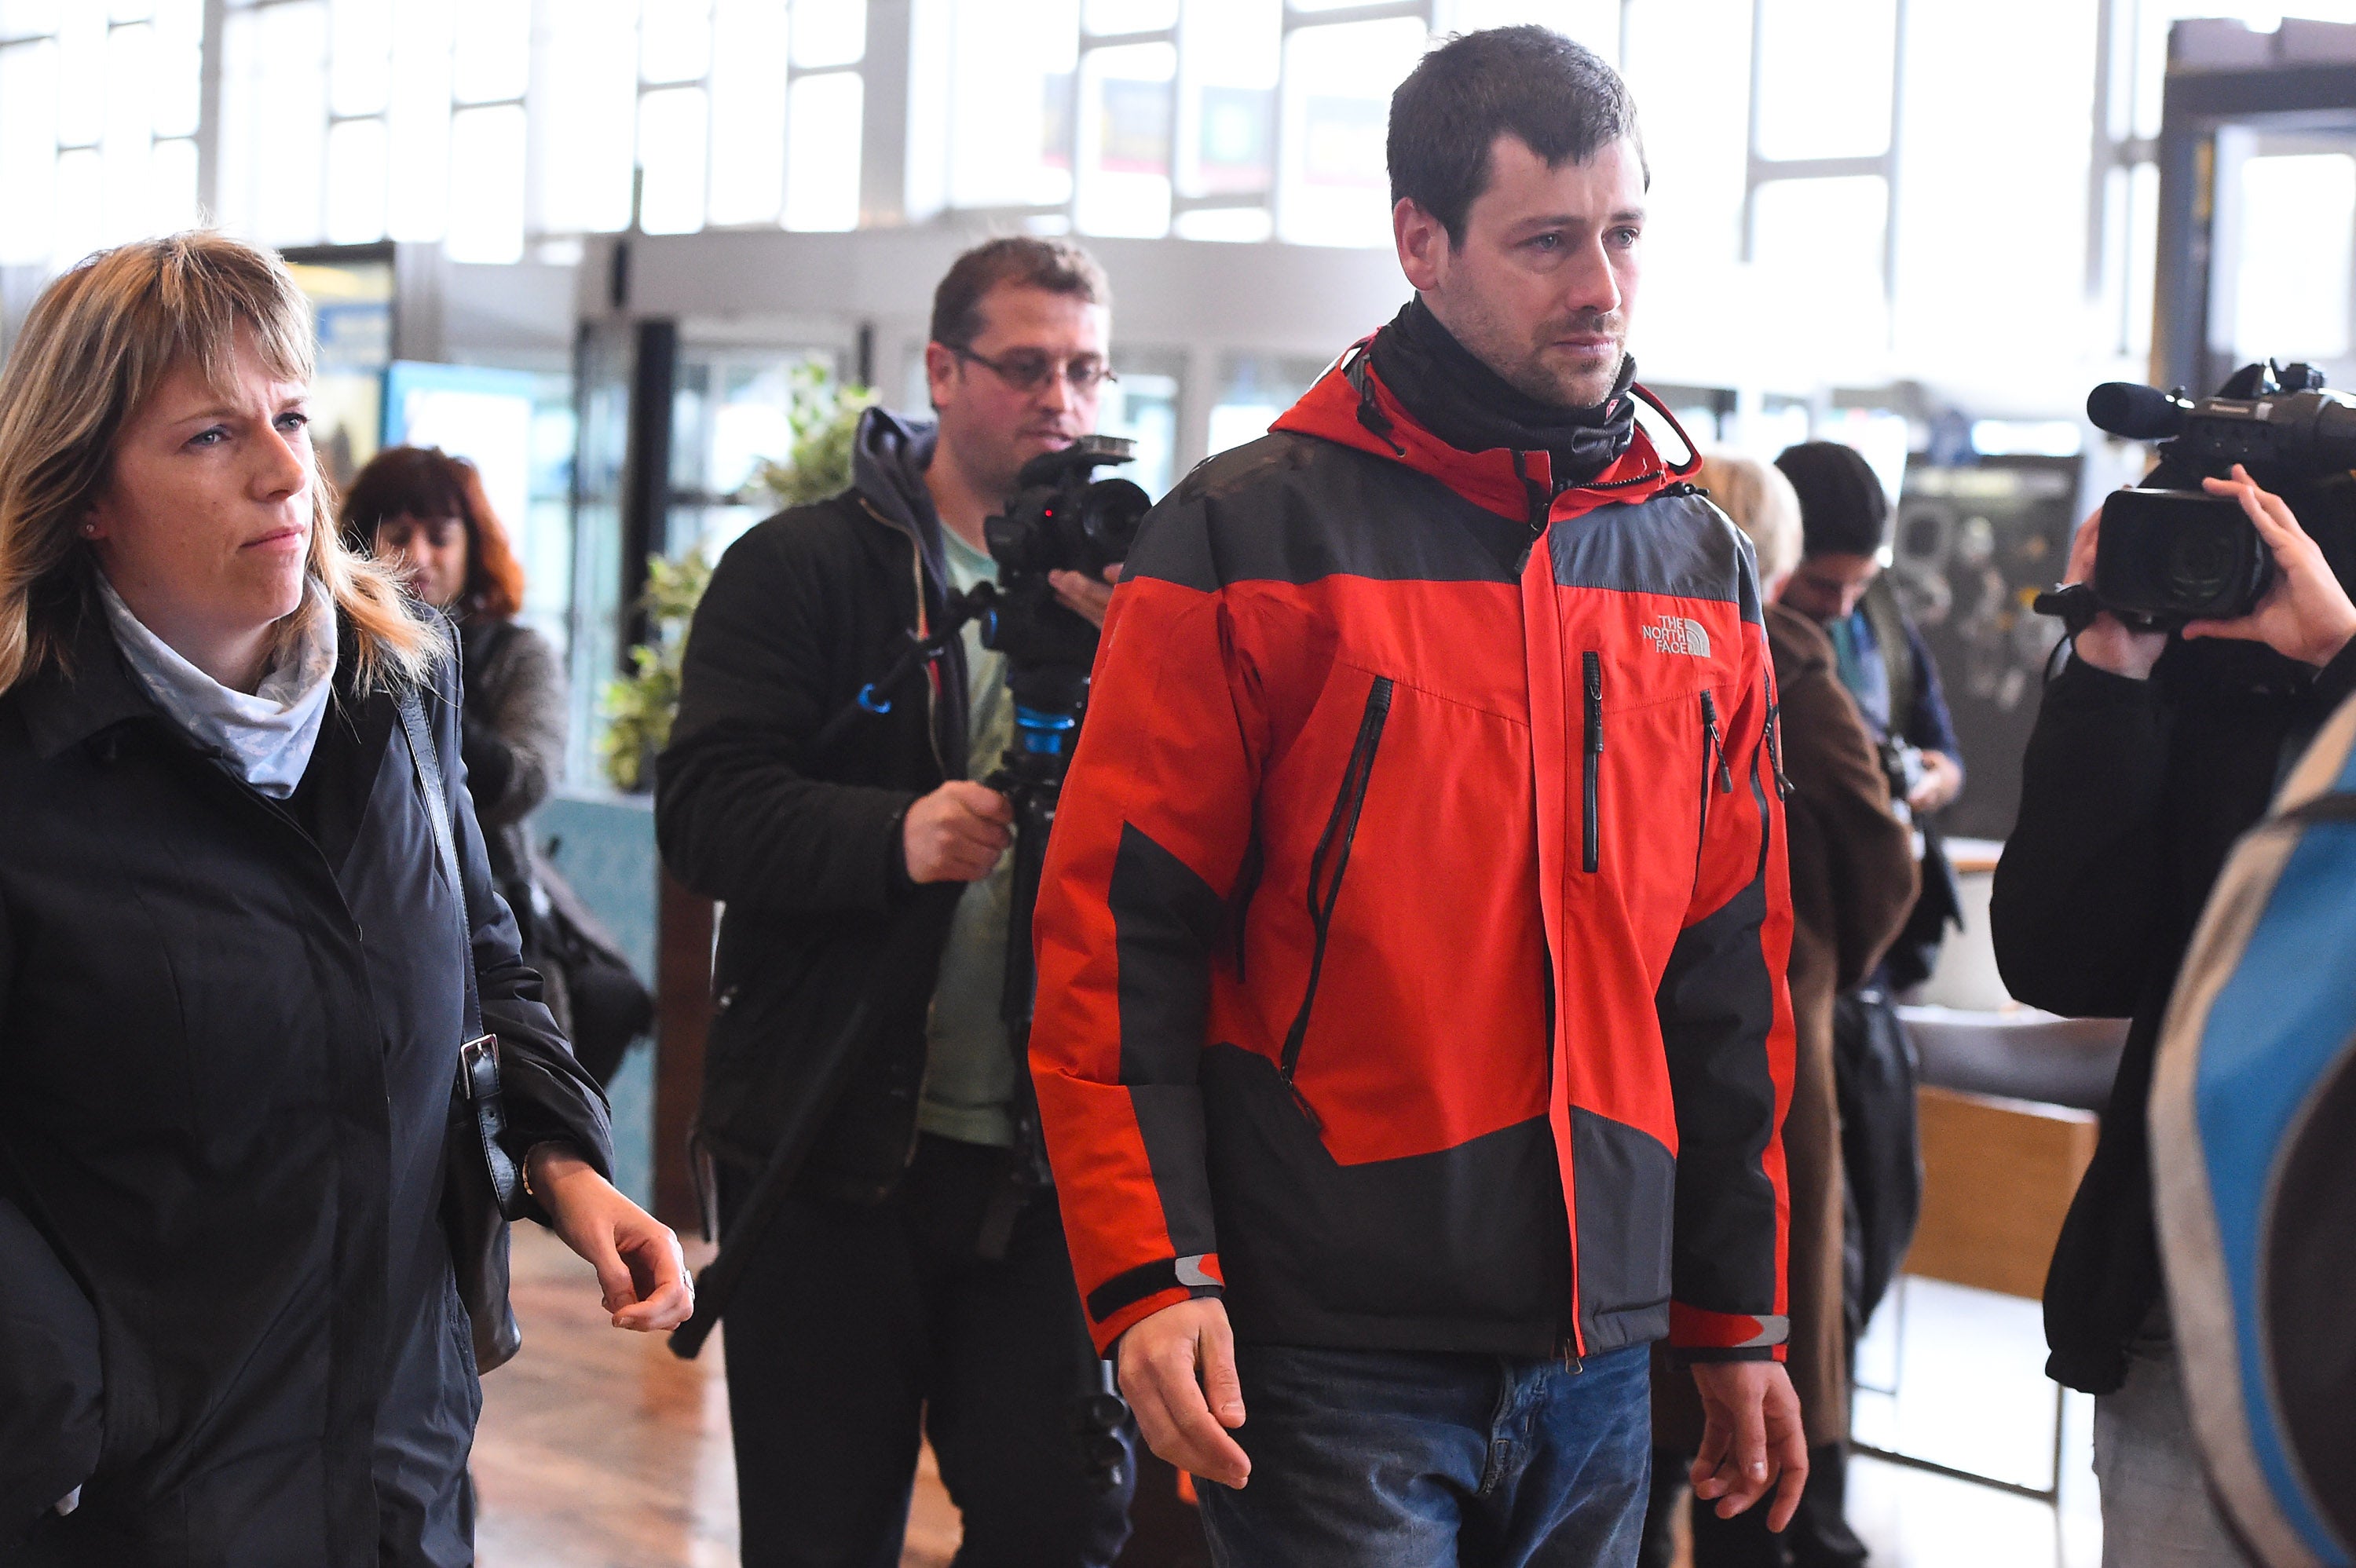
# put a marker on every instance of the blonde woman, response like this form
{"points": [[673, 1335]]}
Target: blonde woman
{"points": [[233, 969], [1853, 880]]}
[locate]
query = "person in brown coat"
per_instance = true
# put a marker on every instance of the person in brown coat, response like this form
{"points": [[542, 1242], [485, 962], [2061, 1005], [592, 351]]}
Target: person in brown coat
{"points": [[1853, 881]]}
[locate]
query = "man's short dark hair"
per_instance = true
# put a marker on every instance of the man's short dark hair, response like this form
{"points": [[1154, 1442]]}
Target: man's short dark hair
{"points": [[1843, 508], [1025, 261], [1558, 97]]}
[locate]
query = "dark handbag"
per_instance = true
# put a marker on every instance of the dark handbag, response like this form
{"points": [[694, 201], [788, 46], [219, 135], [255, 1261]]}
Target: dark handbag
{"points": [[482, 1190], [610, 1006]]}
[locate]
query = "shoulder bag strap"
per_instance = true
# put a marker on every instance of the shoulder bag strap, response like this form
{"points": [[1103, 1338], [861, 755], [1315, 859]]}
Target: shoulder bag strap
{"points": [[478, 1057]]}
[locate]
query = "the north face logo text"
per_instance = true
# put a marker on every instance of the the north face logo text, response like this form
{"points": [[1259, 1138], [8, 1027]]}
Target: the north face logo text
{"points": [[1676, 635]]}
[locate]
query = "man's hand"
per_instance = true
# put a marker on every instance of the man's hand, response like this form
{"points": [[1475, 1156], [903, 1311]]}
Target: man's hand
{"points": [[1178, 1373], [956, 833], [2108, 644], [2305, 616], [640, 1267], [1084, 595], [1942, 779], [1750, 1434]]}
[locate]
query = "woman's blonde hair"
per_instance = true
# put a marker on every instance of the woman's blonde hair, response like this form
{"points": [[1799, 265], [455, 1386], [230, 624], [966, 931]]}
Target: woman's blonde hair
{"points": [[1763, 505], [94, 348]]}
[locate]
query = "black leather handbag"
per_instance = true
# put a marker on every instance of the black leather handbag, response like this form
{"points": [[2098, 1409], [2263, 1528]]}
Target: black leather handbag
{"points": [[481, 1190]]}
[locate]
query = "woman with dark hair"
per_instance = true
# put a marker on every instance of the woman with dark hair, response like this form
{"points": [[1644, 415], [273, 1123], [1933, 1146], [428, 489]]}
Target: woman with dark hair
{"points": [[424, 513], [267, 1048]]}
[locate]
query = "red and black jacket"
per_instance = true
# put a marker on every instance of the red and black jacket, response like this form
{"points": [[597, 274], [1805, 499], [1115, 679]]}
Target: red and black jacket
{"points": [[1412, 940]]}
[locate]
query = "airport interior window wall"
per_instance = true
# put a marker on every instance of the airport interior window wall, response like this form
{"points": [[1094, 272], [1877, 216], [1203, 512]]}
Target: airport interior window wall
{"points": [[1919, 225]]}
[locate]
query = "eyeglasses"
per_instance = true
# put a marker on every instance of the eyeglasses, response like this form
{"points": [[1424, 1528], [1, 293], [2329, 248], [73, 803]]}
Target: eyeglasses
{"points": [[1027, 369]]}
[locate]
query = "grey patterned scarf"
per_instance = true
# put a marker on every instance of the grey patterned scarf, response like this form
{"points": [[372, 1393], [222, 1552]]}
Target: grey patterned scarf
{"points": [[266, 739]]}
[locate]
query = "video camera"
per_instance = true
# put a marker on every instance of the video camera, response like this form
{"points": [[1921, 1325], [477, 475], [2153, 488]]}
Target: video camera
{"points": [[2171, 553], [1058, 519]]}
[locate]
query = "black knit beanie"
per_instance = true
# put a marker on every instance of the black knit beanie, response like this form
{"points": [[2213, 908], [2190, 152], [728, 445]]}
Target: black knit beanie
{"points": [[1843, 508]]}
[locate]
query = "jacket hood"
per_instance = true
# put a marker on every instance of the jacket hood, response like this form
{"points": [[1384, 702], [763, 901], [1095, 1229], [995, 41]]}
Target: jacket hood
{"points": [[889, 454], [1350, 406]]}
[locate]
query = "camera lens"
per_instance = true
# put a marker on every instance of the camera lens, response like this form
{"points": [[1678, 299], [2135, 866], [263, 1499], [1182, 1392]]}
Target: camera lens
{"points": [[2198, 564]]}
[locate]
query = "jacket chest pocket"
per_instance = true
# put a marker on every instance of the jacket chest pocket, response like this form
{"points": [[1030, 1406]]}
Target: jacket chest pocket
{"points": [[1637, 759]]}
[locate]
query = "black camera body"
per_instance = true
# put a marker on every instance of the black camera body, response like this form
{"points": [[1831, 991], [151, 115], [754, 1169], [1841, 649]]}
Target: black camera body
{"points": [[2171, 553], [1060, 519], [2168, 556]]}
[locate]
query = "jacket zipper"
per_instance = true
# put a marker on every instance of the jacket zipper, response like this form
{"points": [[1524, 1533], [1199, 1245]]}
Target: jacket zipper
{"points": [[1591, 666], [1713, 746], [932, 672], [1341, 832], [1713, 751]]}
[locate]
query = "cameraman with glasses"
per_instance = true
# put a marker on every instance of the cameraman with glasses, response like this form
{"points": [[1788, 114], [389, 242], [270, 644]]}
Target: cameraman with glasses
{"points": [[912, 1279], [2152, 754]]}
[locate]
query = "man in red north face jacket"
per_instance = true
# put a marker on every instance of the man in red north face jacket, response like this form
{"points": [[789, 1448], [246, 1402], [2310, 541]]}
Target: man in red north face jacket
{"points": [[1411, 1039]]}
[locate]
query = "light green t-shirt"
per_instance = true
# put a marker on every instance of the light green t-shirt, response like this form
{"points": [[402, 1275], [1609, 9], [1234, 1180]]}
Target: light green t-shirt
{"points": [[968, 1092]]}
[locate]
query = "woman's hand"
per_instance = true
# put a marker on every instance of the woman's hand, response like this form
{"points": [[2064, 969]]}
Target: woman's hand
{"points": [[640, 1265], [2305, 616]]}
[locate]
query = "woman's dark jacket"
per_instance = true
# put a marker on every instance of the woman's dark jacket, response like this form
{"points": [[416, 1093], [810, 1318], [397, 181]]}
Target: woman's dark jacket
{"points": [[2132, 794], [228, 1030], [802, 843], [515, 729]]}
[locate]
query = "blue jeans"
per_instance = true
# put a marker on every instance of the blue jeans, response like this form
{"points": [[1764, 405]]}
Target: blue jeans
{"points": [[1395, 1459]]}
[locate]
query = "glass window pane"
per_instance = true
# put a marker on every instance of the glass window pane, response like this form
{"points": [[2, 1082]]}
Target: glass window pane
{"points": [[78, 210], [1830, 231], [1595, 23], [289, 126], [1143, 406], [1335, 183], [822, 144], [1125, 96], [1011, 101], [173, 172], [748, 111], [834, 32], [29, 18], [179, 66], [674, 41], [590, 136], [356, 182], [1802, 45], [29, 150], [1690, 66], [129, 74], [493, 58], [359, 80], [1229, 51], [1128, 16], [420, 121], [2291, 295], [672, 138], [487, 184], [1256, 389], [81, 68]]}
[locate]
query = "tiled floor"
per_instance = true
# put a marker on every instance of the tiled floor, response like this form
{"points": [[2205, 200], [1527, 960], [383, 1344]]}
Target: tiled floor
{"points": [[599, 1449]]}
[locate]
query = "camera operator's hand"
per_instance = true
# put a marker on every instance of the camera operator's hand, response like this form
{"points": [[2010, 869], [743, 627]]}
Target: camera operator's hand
{"points": [[2108, 644], [1083, 595], [1178, 1373], [2305, 616], [1942, 779], [956, 833]]}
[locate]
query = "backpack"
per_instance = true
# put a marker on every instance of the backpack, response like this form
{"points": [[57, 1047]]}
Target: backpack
{"points": [[2254, 1162]]}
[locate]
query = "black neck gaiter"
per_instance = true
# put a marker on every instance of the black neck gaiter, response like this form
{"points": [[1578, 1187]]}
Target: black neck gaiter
{"points": [[1453, 395]]}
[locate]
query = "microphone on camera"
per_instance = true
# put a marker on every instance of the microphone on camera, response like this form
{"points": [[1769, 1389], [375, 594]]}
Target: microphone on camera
{"points": [[2138, 413]]}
